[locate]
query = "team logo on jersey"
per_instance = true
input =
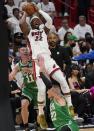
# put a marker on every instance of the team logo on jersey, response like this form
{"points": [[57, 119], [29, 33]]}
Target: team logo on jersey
{"points": [[38, 35]]}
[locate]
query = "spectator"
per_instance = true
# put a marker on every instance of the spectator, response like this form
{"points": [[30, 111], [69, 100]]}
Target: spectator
{"points": [[13, 22], [82, 46], [18, 40], [66, 36], [89, 80], [65, 28], [88, 40], [57, 51], [15, 99], [68, 52], [17, 2], [62, 55], [82, 28], [10, 6], [92, 44], [48, 7], [77, 87], [72, 40]]}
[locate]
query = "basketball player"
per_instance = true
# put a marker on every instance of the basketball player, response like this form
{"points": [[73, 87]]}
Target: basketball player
{"points": [[29, 87], [59, 111], [37, 36], [60, 115]]}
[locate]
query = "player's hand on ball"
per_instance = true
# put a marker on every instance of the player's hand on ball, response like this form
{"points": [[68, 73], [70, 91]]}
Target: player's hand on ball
{"points": [[30, 9], [23, 13], [37, 9]]}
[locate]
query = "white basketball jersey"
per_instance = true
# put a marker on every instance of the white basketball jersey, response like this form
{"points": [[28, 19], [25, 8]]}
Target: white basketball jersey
{"points": [[38, 42]]}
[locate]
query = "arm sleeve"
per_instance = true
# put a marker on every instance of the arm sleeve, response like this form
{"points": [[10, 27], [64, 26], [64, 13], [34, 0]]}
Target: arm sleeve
{"points": [[46, 81], [48, 19]]}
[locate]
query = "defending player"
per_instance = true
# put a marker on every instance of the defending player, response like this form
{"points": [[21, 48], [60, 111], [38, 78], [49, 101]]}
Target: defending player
{"points": [[29, 87], [59, 111], [60, 116], [37, 36]]}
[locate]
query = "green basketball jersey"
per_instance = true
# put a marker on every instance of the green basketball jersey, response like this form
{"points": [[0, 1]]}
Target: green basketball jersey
{"points": [[60, 116], [30, 88], [27, 77]]}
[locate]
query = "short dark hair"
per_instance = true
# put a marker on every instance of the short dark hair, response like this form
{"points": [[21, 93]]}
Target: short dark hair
{"points": [[15, 9]]}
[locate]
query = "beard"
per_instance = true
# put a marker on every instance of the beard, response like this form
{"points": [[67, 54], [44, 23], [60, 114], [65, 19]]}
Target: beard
{"points": [[52, 44], [36, 26]]}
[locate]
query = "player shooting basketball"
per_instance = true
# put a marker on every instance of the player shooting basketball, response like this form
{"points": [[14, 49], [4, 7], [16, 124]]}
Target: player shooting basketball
{"points": [[37, 36]]}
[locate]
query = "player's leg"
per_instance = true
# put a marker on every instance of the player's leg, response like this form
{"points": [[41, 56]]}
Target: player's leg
{"points": [[53, 69], [24, 112], [41, 94], [59, 77], [41, 103]]}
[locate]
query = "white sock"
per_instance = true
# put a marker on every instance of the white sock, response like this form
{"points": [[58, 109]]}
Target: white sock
{"points": [[68, 99], [40, 107], [41, 95]]}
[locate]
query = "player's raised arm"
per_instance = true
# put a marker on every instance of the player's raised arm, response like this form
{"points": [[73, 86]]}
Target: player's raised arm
{"points": [[13, 73], [23, 24], [45, 17], [48, 20]]}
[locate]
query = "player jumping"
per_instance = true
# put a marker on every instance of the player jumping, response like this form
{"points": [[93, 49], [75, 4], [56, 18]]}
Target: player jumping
{"points": [[37, 36]]}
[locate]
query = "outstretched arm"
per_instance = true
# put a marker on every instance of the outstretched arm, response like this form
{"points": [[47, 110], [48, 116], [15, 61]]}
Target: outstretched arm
{"points": [[45, 18], [13, 73], [46, 81], [48, 20], [23, 24]]}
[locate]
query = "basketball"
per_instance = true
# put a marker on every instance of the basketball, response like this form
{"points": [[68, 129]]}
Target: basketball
{"points": [[29, 8]]}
